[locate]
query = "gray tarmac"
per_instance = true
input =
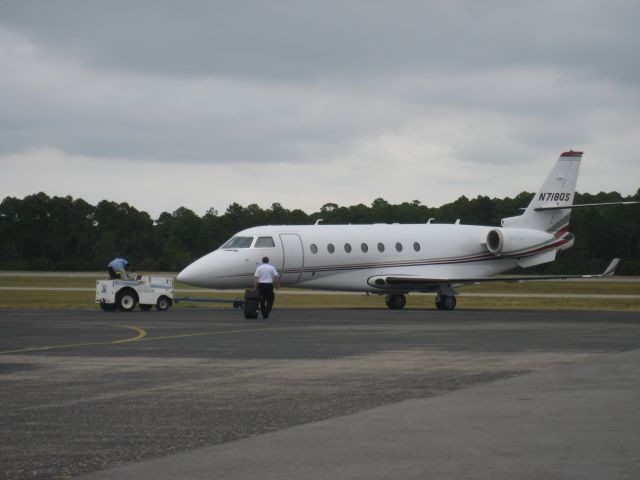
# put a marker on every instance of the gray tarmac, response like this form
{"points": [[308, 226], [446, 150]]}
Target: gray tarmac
{"points": [[202, 393]]}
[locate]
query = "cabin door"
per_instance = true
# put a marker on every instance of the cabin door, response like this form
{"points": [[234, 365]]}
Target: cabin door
{"points": [[293, 258]]}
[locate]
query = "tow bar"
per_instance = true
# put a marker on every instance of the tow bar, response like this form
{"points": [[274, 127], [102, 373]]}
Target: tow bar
{"points": [[237, 303]]}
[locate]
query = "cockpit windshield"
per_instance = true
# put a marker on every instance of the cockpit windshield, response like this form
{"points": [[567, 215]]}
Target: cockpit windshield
{"points": [[265, 242], [238, 242]]}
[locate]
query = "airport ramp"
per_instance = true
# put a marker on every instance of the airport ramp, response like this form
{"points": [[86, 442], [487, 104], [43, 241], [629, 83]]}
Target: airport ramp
{"points": [[579, 421]]}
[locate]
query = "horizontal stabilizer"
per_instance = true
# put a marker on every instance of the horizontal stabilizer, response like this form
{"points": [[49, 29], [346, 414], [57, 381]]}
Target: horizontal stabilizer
{"points": [[584, 205]]}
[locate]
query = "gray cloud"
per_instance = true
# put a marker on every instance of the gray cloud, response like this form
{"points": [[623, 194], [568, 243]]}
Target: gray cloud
{"points": [[293, 40], [312, 83]]}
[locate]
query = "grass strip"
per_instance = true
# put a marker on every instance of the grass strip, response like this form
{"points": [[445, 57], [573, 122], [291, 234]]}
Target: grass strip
{"points": [[49, 299]]}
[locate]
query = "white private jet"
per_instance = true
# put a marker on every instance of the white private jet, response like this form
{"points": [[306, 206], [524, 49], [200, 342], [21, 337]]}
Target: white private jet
{"points": [[395, 259]]}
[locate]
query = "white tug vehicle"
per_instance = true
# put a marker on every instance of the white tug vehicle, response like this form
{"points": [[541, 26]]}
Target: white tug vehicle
{"points": [[144, 290]]}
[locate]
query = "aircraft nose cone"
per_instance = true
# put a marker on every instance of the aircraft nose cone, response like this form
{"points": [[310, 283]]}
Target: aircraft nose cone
{"points": [[219, 269], [195, 274]]}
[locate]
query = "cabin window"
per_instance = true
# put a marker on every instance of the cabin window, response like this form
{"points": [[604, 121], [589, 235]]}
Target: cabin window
{"points": [[416, 246], [331, 248], [364, 247], [238, 242], [313, 248], [264, 242], [347, 248], [398, 246], [381, 247]]}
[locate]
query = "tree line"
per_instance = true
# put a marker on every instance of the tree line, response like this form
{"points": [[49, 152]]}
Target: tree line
{"points": [[40, 232]]}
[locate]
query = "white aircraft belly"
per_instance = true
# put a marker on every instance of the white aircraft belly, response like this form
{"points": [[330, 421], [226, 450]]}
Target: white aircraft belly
{"points": [[356, 280]]}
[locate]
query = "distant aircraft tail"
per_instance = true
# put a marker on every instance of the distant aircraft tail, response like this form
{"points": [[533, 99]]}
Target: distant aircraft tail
{"points": [[547, 211]]}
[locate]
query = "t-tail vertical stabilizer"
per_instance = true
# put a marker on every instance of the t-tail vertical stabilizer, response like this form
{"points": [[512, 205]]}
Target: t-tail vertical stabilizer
{"points": [[545, 211]]}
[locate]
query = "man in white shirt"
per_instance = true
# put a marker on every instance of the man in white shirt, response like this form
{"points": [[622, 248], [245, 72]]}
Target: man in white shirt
{"points": [[264, 278], [117, 268]]}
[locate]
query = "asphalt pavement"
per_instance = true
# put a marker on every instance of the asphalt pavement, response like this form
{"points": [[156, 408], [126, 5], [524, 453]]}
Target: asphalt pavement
{"points": [[202, 393]]}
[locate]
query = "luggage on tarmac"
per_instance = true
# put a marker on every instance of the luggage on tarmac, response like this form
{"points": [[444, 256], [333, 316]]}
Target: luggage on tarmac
{"points": [[251, 303]]}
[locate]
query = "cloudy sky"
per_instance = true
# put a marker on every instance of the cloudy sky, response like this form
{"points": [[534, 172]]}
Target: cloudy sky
{"points": [[199, 104]]}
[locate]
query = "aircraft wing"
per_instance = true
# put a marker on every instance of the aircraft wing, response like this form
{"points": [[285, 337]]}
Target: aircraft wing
{"points": [[418, 283]]}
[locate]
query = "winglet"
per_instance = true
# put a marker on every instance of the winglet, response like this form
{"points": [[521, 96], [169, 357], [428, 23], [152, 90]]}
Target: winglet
{"points": [[611, 268]]}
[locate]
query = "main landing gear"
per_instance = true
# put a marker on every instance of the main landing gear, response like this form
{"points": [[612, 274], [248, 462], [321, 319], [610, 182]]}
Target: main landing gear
{"points": [[445, 302], [396, 301]]}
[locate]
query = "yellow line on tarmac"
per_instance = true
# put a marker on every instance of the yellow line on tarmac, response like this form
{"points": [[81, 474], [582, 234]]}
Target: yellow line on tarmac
{"points": [[141, 334], [217, 332]]}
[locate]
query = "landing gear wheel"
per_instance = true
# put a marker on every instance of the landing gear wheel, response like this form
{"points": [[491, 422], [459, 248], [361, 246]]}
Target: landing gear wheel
{"points": [[396, 302], [145, 307], [126, 300], [108, 307], [446, 302], [163, 303]]}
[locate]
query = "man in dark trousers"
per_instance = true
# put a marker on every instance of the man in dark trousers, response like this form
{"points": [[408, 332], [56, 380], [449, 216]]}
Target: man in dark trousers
{"points": [[264, 278], [117, 268]]}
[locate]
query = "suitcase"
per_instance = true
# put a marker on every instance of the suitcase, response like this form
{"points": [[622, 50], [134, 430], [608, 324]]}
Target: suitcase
{"points": [[251, 303]]}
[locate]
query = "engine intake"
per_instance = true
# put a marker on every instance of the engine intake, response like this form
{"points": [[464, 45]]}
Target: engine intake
{"points": [[501, 241], [495, 241]]}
